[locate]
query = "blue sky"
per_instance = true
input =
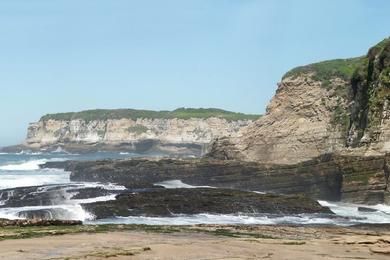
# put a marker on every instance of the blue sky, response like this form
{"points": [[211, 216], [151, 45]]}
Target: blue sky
{"points": [[69, 55]]}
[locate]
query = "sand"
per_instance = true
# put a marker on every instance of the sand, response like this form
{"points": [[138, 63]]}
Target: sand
{"points": [[271, 243]]}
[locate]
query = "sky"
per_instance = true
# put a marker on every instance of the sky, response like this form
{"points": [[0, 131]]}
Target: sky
{"points": [[71, 55]]}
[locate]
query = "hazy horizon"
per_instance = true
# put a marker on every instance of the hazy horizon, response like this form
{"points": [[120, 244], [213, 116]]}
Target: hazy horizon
{"points": [[67, 56]]}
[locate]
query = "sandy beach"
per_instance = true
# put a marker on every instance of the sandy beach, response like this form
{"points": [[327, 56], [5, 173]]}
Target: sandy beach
{"points": [[205, 242]]}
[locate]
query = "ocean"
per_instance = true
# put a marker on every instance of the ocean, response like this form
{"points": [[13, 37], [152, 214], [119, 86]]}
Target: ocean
{"points": [[22, 170]]}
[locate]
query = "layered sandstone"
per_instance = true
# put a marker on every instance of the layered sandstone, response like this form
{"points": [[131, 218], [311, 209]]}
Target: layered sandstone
{"points": [[338, 106], [133, 130]]}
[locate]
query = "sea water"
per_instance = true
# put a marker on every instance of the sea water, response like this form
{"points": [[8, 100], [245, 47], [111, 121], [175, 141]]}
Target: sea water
{"points": [[23, 170]]}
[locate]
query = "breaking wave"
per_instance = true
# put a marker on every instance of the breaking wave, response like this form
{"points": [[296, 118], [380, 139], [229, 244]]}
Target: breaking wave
{"points": [[177, 184], [26, 166], [212, 219]]}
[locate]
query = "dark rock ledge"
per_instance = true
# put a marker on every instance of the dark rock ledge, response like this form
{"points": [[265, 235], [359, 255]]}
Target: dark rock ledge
{"points": [[328, 177], [37, 222], [168, 202]]}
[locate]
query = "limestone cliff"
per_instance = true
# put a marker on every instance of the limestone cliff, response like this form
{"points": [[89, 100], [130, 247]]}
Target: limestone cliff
{"points": [[177, 131], [337, 106]]}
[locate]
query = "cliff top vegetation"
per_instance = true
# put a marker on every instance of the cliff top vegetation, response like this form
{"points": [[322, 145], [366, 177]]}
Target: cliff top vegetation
{"points": [[180, 113]]}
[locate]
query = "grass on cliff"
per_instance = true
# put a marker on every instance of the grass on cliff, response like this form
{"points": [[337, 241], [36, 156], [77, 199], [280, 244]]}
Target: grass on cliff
{"points": [[181, 113], [326, 70]]}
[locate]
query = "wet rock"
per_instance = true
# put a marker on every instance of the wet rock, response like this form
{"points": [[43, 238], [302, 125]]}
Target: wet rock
{"points": [[319, 178], [164, 203], [364, 209], [331, 177], [49, 195], [37, 222], [44, 214]]}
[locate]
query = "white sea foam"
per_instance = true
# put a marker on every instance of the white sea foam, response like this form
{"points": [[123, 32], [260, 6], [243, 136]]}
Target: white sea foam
{"points": [[31, 165], [349, 210], [66, 212], [97, 199], [220, 219], [25, 166], [106, 186], [38, 179], [177, 184]]}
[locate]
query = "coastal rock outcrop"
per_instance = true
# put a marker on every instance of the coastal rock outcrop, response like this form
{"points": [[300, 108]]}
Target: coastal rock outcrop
{"points": [[37, 222], [328, 177], [337, 106], [179, 131], [168, 202]]}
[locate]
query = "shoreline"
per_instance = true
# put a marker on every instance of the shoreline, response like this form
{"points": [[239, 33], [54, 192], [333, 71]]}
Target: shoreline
{"points": [[196, 242]]}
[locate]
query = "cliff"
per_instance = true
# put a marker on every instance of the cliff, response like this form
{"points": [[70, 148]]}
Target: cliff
{"points": [[181, 130], [337, 106]]}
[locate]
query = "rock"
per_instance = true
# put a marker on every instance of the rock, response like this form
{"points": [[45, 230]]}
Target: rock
{"points": [[320, 178], [364, 209], [337, 106], [167, 202], [357, 179], [183, 131], [47, 196], [44, 214], [37, 222], [296, 127]]}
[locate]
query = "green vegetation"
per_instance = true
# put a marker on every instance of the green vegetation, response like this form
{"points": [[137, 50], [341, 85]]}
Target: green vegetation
{"points": [[41, 231], [137, 129], [373, 78], [326, 70], [181, 113], [340, 117], [384, 77]]}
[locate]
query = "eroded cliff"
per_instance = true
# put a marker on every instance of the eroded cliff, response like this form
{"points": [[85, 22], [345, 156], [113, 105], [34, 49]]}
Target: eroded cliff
{"points": [[338, 106], [182, 130]]}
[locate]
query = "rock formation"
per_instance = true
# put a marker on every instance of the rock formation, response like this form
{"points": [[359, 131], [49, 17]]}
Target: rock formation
{"points": [[163, 202], [338, 106], [328, 177], [182, 130]]}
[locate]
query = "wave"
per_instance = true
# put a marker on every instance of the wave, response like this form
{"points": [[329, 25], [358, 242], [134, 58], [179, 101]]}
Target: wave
{"points": [[41, 178], [31, 165], [380, 215], [25, 166], [177, 184], [61, 212], [180, 220], [97, 199]]}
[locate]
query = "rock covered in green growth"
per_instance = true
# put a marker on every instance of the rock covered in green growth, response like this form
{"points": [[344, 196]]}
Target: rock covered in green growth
{"points": [[326, 70], [371, 94], [180, 113]]}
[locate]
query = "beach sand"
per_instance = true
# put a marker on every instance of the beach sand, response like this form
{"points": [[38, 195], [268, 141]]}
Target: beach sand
{"points": [[208, 242]]}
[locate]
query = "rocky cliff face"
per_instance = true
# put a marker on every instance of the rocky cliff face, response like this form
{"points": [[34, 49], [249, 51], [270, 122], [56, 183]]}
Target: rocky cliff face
{"points": [[338, 106], [369, 129], [141, 134]]}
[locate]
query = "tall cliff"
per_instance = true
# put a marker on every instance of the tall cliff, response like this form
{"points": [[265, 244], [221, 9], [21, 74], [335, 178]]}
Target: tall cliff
{"points": [[337, 106], [182, 130]]}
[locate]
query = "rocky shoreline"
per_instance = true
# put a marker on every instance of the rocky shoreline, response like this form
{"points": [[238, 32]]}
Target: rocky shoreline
{"points": [[171, 202], [37, 223], [354, 179]]}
